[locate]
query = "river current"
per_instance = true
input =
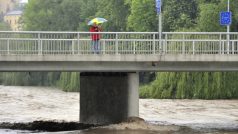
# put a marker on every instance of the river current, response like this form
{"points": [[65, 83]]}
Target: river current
{"points": [[28, 104]]}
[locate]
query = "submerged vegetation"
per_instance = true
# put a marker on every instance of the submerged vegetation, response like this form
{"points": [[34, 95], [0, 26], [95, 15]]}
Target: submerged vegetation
{"points": [[196, 85], [134, 15]]}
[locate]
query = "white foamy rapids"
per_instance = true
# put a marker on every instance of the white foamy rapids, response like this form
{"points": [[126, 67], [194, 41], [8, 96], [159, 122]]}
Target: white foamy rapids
{"points": [[220, 114], [27, 104]]}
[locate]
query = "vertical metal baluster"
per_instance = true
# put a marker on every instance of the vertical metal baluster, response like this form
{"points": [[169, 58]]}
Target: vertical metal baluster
{"points": [[213, 47], [193, 47], [78, 42], [61, 44], [154, 43], [59, 50], [103, 49], [223, 47], [56, 46], [166, 44], [8, 46], [73, 44], [39, 45], [220, 44], [46, 44], [183, 47], [64, 49], [134, 47], [116, 43], [233, 47]]}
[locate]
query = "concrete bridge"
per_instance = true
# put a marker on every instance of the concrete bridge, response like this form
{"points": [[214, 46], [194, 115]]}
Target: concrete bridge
{"points": [[109, 79]]}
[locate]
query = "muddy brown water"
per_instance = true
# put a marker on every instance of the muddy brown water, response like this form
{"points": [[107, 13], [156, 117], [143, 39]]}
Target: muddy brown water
{"points": [[29, 104]]}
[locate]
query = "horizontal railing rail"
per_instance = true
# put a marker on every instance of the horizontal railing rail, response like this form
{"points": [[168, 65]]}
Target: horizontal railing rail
{"points": [[144, 43]]}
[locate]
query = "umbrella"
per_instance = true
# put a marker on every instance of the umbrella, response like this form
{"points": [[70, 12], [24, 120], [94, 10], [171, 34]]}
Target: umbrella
{"points": [[97, 21]]}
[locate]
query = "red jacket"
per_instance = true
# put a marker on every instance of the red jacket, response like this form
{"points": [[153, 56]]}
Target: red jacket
{"points": [[95, 29]]}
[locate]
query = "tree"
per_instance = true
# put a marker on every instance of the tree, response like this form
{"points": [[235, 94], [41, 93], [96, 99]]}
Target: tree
{"points": [[179, 14], [208, 19], [52, 15], [143, 16], [116, 11], [87, 12]]}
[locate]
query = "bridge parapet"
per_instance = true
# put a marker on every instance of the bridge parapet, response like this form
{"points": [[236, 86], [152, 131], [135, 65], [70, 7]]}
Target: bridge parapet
{"points": [[114, 43], [119, 51]]}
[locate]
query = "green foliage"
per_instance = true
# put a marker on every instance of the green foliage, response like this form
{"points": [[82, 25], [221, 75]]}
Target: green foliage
{"points": [[179, 14], [188, 85], [52, 15], [20, 79], [69, 81], [116, 11], [87, 13], [144, 91], [52, 78], [208, 19], [143, 16], [197, 85], [209, 16]]}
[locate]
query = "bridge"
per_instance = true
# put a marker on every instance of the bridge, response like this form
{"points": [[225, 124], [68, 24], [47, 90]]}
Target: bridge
{"points": [[120, 51], [109, 79]]}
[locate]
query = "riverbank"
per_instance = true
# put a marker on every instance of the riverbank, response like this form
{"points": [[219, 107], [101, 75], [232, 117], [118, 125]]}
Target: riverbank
{"points": [[132, 126]]}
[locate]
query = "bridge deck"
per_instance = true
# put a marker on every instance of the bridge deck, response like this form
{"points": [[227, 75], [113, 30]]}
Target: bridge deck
{"points": [[127, 51]]}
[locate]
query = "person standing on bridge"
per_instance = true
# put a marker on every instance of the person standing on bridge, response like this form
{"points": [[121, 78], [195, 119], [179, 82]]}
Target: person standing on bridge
{"points": [[95, 37], [95, 27]]}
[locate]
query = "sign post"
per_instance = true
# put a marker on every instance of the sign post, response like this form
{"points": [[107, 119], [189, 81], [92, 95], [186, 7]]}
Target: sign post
{"points": [[226, 20], [228, 28], [159, 13]]}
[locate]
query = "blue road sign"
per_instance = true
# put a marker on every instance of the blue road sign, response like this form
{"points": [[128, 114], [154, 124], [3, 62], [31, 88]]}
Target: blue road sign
{"points": [[225, 18], [158, 6]]}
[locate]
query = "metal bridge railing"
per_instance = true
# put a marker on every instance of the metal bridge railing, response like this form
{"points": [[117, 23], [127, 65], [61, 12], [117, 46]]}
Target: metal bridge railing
{"points": [[78, 43]]}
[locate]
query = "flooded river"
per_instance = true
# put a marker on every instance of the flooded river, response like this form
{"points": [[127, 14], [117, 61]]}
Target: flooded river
{"points": [[28, 104]]}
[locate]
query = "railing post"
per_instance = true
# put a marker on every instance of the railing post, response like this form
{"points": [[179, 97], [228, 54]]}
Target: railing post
{"points": [[233, 47], [117, 43], [78, 42], [39, 45], [73, 42], [134, 47], [193, 47], [104, 47], [154, 43], [8, 46], [223, 47], [165, 44], [183, 47], [228, 43], [220, 44]]}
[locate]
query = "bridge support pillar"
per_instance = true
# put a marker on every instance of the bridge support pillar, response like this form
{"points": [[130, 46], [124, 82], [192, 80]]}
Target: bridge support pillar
{"points": [[107, 98]]}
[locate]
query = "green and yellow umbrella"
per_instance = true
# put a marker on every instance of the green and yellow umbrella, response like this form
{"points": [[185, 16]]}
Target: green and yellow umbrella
{"points": [[97, 21]]}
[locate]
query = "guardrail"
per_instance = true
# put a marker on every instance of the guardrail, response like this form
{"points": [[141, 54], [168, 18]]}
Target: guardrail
{"points": [[78, 43]]}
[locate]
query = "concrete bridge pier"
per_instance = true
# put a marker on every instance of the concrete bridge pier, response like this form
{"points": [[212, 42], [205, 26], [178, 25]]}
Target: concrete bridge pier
{"points": [[107, 98]]}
